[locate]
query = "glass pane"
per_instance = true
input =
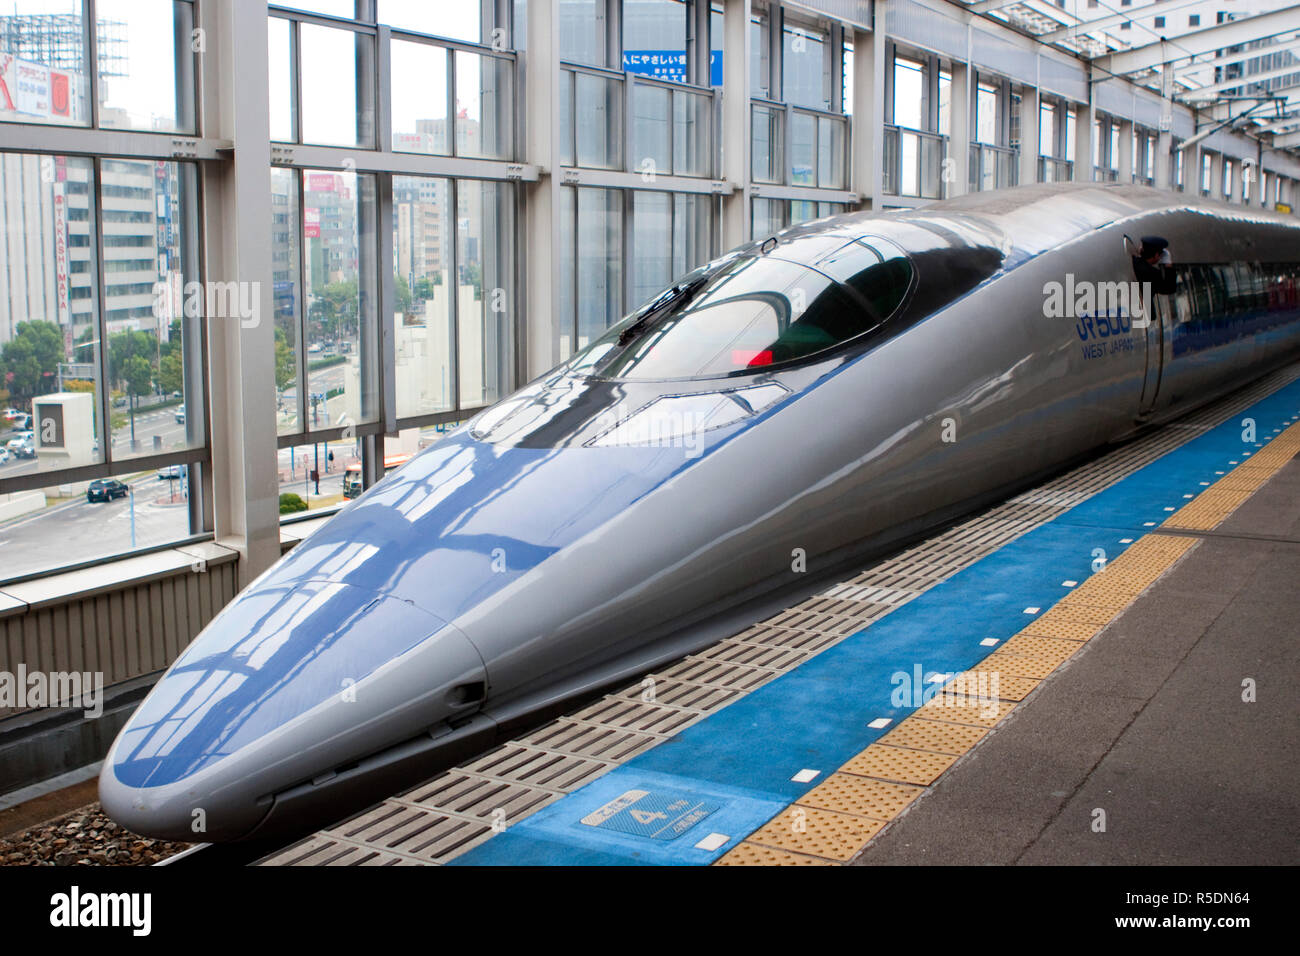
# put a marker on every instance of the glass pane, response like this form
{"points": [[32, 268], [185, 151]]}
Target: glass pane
{"points": [[484, 244], [568, 275], [931, 167], [909, 94], [151, 87], [804, 68], [155, 307], [803, 145], [801, 210], [332, 62], [758, 71], [692, 231], [600, 129], [692, 123], [654, 39], [317, 474], [769, 217], [986, 116], [600, 262], [422, 226], [908, 169], [830, 153], [69, 523], [338, 222], [287, 296], [49, 356], [652, 266], [459, 21], [280, 79], [651, 135], [43, 62], [768, 125], [566, 117], [582, 31], [331, 8], [419, 99], [484, 110]]}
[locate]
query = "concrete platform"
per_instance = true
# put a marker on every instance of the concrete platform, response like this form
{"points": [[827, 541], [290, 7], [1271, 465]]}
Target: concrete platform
{"points": [[1148, 724]]}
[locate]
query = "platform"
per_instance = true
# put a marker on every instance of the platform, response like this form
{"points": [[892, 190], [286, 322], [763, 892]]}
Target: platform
{"points": [[976, 698]]}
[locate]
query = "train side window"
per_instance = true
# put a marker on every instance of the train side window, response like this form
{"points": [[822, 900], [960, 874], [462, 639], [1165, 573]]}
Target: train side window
{"points": [[1216, 286], [1202, 307]]}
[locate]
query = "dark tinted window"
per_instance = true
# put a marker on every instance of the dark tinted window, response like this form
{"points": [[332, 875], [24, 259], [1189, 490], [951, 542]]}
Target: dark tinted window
{"points": [[751, 313]]}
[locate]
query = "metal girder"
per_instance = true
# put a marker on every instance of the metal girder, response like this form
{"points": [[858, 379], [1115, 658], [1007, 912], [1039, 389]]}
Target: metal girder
{"points": [[1222, 109], [1084, 27], [1217, 37], [1196, 92], [1287, 46], [987, 6], [1288, 141]]}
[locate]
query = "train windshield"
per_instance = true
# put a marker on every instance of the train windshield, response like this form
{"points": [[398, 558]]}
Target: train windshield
{"points": [[753, 312]]}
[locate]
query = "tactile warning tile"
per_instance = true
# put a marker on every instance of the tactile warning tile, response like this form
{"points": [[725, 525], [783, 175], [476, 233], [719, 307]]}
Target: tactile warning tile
{"points": [[1077, 613], [1017, 666], [1042, 648], [846, 793], [897, 763], [753, 854], [834, 836], [939, 736], [1053, 627], [959, 709], [991, 683]]}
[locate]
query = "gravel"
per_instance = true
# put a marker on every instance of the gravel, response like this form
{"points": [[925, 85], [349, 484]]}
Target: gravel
{"points": [[84, 837]]}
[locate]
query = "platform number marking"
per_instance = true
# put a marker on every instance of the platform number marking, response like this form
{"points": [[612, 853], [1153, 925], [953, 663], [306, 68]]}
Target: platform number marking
{"points": [[653, 814]]}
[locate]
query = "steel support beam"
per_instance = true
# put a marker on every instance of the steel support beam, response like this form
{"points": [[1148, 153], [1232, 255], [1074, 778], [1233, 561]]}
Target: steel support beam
{"points": [[237, 248], [736, 113], [868, 155], [1218, 37], [544, 260]]}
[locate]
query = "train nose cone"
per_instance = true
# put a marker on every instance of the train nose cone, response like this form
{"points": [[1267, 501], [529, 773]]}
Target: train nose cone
{"points": [[288, 682]]}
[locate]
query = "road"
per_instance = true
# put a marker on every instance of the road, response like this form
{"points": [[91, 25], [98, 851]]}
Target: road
{"points": [[77, 530]]}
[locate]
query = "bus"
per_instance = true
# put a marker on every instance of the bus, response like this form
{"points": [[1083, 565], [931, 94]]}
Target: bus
{"points": [[352, 483]]}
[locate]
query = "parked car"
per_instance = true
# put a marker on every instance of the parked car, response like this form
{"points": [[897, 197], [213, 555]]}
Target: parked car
{"points": [[180, 416], [105, 489], [21, 421], [11, 413], [4, 455]]}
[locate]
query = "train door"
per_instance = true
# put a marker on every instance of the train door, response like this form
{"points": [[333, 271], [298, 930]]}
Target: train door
{"points": [[1158, 310]]}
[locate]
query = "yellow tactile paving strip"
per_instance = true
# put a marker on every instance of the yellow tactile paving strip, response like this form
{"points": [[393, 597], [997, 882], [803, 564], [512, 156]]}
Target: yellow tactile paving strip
{"points": [[834, 822], [1207, 510]]}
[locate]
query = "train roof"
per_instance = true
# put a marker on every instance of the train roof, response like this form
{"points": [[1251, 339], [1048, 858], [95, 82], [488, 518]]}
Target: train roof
{"points": [[1026, 220]]}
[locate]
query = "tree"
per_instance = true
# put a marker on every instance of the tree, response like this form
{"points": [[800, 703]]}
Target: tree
{"points": [[424, 286], [137, 374], [286, 367], [171, 372], [403, 293], [125, 346], [30, 360]]}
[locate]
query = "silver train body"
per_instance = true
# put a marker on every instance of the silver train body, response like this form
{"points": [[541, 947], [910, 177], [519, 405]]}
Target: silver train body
{"points": [[787, 411]]}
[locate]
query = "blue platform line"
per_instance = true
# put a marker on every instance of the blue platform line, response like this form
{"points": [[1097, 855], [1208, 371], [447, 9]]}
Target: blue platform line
{"points": [[741, 758]]}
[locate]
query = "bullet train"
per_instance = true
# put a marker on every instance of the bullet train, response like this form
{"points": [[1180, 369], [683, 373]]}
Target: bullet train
{"points": [[805, 402]]}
